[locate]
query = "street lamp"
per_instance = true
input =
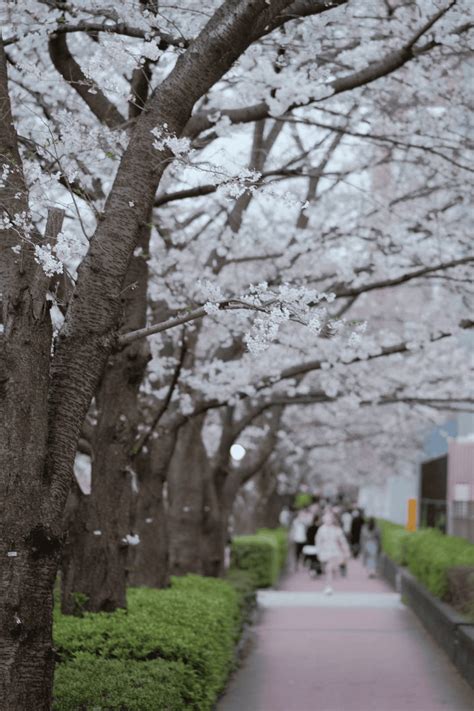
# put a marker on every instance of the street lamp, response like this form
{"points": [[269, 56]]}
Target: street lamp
{"points": [[237, 452]]}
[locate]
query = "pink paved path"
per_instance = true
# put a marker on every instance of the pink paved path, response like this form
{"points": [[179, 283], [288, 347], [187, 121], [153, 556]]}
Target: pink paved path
{"points": [[359, 650]]}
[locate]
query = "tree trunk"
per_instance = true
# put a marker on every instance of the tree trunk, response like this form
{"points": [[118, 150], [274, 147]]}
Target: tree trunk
{"points": [[220, 492], [186, 499], [29, 549], [268, 504], [214, 531], [95, 556], [95, 559], [149, 561]]}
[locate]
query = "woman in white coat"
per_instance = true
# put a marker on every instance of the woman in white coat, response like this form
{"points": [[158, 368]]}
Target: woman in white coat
{"points": [[332, 547]]}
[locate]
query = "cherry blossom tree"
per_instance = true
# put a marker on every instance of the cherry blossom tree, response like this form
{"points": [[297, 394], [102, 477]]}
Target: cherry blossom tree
{"points": [[98, 107], [37, 477]]}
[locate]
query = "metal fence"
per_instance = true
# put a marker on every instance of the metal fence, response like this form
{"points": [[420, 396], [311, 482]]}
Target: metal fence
{"points": [[462, 517]]}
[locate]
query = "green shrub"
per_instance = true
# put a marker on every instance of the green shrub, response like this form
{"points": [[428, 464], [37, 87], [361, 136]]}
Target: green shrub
{"points": [[430, 555], [394, 539], [302, 500], [91, 682], [244, 584], [280, 535], [258, 555], [176, 644]]}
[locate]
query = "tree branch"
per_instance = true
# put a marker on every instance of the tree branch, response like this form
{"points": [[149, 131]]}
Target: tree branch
{"points": [[164, 405], [166, 40], [342, 292], [72, 73], [201, 312], [265, 449], [389, 64]]}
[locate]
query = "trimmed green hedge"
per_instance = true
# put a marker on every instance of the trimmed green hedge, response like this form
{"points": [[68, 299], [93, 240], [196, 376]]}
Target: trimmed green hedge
{"points": [[258, 555], [394, 538], [91, 682], [172, 649], [280, 535], [262, 555], [428, 553]]}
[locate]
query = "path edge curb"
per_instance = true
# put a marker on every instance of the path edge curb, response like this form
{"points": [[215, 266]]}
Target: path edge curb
{"points": [[452, 632]]}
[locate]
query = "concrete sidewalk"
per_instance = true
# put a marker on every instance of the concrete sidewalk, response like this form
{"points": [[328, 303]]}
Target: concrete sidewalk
{"points": [[359, 650]]}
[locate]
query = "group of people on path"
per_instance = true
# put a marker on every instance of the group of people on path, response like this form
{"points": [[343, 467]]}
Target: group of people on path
{"points": [[326, 539]]}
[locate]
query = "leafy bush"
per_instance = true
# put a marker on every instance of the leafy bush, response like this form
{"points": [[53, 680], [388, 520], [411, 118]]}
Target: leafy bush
{"points": [[259, 556], [244, 584], [91, 682], [394, 539], [280, 535], [176, 645], [302, 500], [428, 553]]}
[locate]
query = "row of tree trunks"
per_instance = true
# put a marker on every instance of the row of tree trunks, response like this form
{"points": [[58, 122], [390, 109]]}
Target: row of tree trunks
{"points": [[45, 393], [97, 563], [94, 565]]}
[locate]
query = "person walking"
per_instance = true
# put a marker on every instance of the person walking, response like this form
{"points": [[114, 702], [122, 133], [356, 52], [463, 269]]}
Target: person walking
{"points": [[332, 548], [356, 528], [309, 551], [346, 520], [298, 536], [370, 546]]}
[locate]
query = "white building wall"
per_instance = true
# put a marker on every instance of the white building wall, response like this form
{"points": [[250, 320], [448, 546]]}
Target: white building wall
{"points": [[389, 499]]}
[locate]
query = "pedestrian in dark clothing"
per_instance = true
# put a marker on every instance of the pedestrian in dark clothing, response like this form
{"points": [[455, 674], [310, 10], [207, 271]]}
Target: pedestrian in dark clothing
{"points": [[356, 528], [312, 531], [312, 558]]}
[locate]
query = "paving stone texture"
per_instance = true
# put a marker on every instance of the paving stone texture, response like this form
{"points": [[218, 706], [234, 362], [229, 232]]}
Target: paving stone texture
{"points": [[360, 649]]}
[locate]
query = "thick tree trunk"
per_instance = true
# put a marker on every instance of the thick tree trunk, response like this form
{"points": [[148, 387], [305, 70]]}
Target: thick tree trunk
{"points": [[214, 531], [95, 559], [267, 506], [149, 561], [28, 552], [29, 549], [220, 492], [186, 499], [95, 556]]}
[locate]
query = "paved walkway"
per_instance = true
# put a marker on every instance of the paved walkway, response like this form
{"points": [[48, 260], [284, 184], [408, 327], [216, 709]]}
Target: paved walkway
{"points": [[358, 650]]}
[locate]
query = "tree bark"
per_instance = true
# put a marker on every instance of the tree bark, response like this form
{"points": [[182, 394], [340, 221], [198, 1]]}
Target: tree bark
{"points": [[28, 554], [95, 557], [186, 499], [220, 493], [268, 502], [149, 561]]}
